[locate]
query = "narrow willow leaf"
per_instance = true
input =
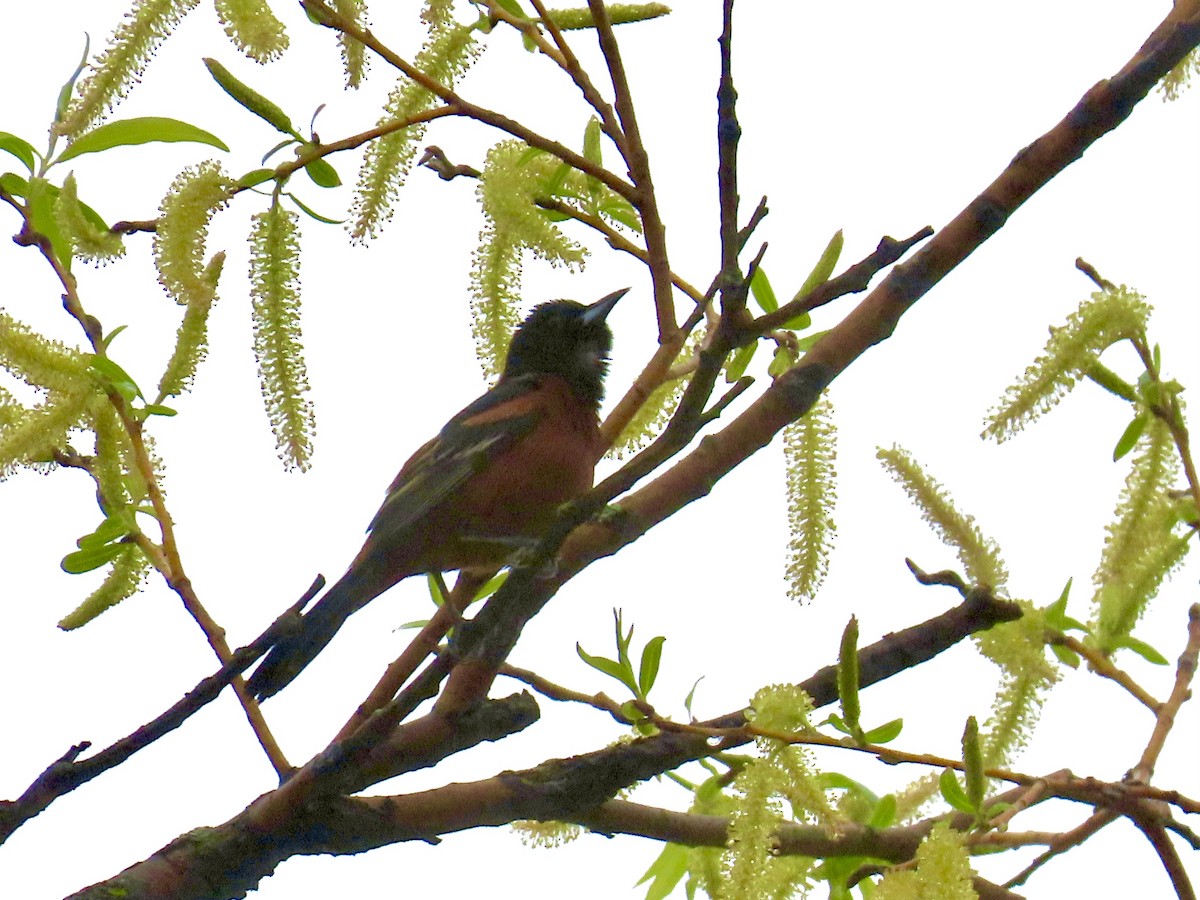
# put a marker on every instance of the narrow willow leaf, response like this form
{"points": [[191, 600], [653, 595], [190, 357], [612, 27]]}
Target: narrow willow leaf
{"points": [[275, 288], [1129, 437], [143, 130], [609, 667], [1144, 650], [825, 265], [311, 213], [18, 147], [885, 733], [111, 529], [322, 173], [651, 659], [64, 92], [93, 558], [666, 871], [953, 793], [737, 364], [41, 202], [764, 294], [251, 99], [255, 177], [115, 377]]}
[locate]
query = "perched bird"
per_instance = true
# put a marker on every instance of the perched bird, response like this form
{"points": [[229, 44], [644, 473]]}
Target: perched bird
{"points": [[490, 482]]}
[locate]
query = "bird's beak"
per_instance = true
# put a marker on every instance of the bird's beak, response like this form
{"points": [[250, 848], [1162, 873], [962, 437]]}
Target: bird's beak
{"points": [[599, 310]]}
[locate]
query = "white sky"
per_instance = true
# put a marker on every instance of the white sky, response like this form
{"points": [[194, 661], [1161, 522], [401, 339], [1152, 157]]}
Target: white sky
{"points": [[874, 117]]}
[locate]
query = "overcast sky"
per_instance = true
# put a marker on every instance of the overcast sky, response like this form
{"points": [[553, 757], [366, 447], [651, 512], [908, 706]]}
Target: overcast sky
{"points": [[877, 118]]}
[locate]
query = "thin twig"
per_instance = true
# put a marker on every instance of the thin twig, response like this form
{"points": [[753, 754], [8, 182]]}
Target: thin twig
{"points": [[1185, 671], [1103, 666]]}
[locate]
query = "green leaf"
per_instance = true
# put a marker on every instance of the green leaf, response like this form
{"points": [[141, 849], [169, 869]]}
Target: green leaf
{"points": [[111, 529], [885, 733], [764, 294], [824, 267], [87, 560], [648, 670], [255, 177], [14, 184], [782, 360], [1142, 649], [144, 130], [108, 338], [157, 409], [666, 871], [433, 581], [807, 342], [798, 323], [115, 377], [18, 147], [609, 667], [311, 213], [41, 197], [736, 367], [687, 702], [953, 793], [287, 142], [513, 8], [493, 584], [836, 722], [1129, 437], [621, 211], [1065, 655], [1056, 612], [322, 173], [64, 93]]}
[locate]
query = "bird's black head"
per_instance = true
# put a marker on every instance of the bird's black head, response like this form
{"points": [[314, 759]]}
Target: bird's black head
{"points": [[566, 338]]}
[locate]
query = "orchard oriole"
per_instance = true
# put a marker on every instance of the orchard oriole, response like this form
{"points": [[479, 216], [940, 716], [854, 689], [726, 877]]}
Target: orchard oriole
{"points": [[492, 479]]}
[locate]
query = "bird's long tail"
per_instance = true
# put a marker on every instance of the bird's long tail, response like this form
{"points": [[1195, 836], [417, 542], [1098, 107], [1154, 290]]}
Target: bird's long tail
{"points": [[292, 653]]}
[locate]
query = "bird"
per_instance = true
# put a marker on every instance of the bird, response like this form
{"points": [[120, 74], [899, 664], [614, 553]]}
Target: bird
{"points": [[488, 483]]}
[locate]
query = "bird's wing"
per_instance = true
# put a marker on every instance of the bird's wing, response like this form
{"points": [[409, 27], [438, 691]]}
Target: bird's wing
{"points": [[467, 444]]}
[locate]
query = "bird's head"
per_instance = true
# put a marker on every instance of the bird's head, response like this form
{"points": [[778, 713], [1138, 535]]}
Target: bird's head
{"points": [[566, 338]]}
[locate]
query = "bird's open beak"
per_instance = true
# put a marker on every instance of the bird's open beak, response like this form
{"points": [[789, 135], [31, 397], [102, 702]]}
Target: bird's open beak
{"points": [[599, 310]]}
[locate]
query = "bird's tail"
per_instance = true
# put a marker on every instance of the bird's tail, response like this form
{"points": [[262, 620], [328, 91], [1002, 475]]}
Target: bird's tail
{"points": [[293, 652]]}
